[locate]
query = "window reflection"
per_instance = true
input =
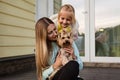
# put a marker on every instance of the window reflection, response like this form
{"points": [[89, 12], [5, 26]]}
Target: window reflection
{"points": [[107, 25], [102, 45]]}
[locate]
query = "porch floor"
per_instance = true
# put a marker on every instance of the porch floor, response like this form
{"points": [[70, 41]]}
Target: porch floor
{"points": [[86, 73]]}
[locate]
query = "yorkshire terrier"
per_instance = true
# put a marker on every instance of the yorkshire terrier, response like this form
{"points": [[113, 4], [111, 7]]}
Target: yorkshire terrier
{"points": [[65, 40]]}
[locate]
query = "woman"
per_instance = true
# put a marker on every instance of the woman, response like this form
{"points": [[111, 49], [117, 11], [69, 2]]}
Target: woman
{"points": [[48, 56]]}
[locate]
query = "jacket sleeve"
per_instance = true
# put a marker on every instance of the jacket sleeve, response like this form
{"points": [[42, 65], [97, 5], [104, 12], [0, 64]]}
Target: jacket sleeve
{"points": [[47, 72], [76, 52], [50, 69]]}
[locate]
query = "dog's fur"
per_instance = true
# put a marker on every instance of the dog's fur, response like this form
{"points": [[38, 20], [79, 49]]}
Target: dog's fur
{"points": [[65, 40]]}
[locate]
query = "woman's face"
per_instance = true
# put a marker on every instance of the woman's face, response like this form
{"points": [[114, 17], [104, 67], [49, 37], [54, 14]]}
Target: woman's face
{"points": [[65, 19], [52, 32]]}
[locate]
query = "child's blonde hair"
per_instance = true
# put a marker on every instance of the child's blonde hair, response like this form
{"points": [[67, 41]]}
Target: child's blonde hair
{"points": [[69, 8]]}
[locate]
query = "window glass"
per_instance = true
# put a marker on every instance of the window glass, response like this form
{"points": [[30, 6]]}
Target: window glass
{"points": [[107, 27]]}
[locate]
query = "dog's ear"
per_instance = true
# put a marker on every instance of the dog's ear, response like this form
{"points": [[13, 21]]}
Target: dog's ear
{"points": [[59, 35], [71, 34]]}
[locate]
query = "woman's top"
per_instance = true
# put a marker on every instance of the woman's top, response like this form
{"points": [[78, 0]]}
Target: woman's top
{"points": [[50, 69]]}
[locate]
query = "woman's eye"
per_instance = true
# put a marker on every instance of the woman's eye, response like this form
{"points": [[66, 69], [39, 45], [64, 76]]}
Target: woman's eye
{"points": [[50, 32]]}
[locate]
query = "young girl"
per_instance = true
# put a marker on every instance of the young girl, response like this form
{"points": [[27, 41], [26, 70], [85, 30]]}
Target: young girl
{"points": [[66, 19], [48, 56]]}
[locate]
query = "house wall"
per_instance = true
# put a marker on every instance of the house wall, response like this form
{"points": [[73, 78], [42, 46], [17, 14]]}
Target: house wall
{"points": [[17, 21]]}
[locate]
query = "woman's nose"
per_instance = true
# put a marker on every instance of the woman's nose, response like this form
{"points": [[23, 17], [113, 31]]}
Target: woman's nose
{"points": [[55, 32]]}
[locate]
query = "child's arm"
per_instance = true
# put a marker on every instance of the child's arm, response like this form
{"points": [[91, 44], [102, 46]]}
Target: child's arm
{"points": [[77, 54]]}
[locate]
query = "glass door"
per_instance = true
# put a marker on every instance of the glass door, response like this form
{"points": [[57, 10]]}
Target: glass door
{"points": [[106, 29]]}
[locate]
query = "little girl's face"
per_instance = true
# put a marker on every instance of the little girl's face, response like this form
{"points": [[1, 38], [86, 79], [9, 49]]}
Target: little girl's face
{"points": [[65, 19]]}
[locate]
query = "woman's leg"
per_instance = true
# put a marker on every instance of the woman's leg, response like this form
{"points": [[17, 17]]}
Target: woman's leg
{"points": [[69, 71]]}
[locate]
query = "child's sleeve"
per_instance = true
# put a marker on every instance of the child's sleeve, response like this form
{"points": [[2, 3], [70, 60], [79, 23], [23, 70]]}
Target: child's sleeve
{"points": [[75, 30], [77, 54]]}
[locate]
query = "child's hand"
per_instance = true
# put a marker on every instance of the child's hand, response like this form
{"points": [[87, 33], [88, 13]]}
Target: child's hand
{"points": [[69, 50]]}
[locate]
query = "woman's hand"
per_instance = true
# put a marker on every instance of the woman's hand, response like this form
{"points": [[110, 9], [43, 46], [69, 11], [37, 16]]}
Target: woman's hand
{"points": [[58, 61]]}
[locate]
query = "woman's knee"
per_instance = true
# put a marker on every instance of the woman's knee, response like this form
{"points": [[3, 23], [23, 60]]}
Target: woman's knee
{"points": [[73, 63]]}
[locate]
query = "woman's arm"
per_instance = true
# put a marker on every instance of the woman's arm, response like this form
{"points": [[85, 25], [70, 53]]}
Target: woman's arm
{"points": [[47, 72], [55, 61]]}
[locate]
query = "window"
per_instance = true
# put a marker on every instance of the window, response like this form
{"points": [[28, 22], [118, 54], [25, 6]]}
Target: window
{"points": [[107, 25], [97, 18]]}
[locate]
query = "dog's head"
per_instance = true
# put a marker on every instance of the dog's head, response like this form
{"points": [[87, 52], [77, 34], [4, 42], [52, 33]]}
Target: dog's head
{"points": [[65, 39]]}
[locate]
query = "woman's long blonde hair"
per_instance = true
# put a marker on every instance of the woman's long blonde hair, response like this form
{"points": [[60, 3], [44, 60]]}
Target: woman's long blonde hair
{"points": [[70, 9], [43, 45]]}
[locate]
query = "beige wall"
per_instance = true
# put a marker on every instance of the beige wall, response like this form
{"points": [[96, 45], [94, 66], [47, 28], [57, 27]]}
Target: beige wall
{"points": [[17, 20]]}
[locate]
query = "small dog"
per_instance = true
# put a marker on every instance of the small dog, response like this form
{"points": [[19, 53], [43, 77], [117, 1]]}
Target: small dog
{"points": [[65, 40]]}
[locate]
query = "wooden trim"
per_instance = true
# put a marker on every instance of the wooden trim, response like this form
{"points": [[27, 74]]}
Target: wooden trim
{"points": [[18, 36], [29, 2], [17, 45], [17, 16], [17, 7], [16, 26]]}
